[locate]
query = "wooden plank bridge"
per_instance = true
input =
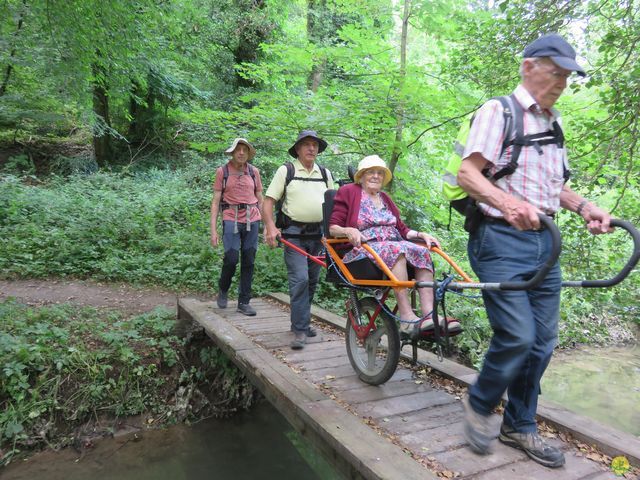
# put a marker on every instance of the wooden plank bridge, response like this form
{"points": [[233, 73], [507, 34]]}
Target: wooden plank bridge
{"points": [[408, 428]]}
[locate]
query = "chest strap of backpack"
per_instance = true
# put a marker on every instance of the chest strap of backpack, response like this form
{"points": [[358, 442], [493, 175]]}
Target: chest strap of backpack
{"points": [[520, 140]]}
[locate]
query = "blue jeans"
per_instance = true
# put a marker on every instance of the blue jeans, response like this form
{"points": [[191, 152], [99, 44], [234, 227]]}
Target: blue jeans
{"points": [[245, 241], [524, 323], [303, 275]]}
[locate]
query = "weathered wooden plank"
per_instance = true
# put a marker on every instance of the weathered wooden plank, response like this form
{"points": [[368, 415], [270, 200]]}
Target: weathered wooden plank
{"points": [[263, 316], [403, 404], [256, 329], [467, 463], [274, 340], [372, 456], [574, 469], [333, 372], [428, 418], [276, 381], [391, 389], [434, 440], [316, 351], [351, 381], [603, 475], [323, 363], [228, 338]]}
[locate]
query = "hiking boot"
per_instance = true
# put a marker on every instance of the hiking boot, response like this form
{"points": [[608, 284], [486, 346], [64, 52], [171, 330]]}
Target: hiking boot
{"points": [[533, 445], [299, 340], [476, 429], [247, 309], [222, 300], [311, 332]]}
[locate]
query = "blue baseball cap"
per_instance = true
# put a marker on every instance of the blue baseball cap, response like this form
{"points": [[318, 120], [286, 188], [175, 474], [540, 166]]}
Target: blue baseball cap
{"points": [[557, 49]]}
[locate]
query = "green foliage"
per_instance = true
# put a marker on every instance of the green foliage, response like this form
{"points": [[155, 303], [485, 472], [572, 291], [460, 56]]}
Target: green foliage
{"points": [[63, 365], [19, 165]]}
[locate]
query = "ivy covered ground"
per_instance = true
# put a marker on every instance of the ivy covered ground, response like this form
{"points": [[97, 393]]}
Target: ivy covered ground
{"points": [[80, 359]]}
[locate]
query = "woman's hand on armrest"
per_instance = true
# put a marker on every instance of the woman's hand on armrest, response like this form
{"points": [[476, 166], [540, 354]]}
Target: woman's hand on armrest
{"points": [[430, 240], [353, 234]]}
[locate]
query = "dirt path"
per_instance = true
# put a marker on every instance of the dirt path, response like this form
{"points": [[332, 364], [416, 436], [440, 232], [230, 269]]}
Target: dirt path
{"points": [[122, 297]]}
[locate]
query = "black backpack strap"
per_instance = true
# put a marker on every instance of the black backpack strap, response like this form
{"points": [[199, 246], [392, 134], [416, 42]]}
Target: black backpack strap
{"points": [[325, 177], [252, 174], [225, 177], [291, 172], [514, 121]]}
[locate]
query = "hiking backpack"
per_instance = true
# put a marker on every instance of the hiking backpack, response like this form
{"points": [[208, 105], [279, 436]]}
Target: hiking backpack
{"points": [[282, 220], [514, 135]]}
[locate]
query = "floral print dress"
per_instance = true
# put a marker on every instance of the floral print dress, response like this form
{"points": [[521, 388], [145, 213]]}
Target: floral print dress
{"points": [[377, 226]]}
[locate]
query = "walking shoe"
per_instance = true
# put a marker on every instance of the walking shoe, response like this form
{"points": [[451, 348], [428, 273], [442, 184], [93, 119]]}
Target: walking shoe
{"points": [[247, 309], [533, 445], [311, 332], [222, 300], [298, 342], [476, 429]]}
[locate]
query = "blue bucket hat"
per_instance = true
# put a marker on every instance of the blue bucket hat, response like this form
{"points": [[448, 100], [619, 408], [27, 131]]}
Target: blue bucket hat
{"points": [[307, 134], [557, 49]]}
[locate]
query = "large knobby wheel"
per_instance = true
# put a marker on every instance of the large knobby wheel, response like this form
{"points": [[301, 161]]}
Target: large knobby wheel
{"points": [[374, 357]]}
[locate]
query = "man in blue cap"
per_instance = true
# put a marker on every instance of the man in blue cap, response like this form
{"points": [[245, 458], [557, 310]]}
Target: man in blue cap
{"points": [[508, 244], [301, 184]]}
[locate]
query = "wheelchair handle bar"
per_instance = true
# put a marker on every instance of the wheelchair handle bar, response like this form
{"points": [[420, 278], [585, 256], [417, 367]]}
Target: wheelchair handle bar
{"points": [[556, 247], [624, 272]]}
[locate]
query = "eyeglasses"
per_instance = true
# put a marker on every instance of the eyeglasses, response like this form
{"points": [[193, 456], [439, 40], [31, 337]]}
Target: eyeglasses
{"points": [[375, 172], [557, 74]]}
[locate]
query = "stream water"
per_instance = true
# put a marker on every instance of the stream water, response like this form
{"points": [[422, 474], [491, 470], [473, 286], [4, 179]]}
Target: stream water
{"points": [[255, 444], [600, 383]]}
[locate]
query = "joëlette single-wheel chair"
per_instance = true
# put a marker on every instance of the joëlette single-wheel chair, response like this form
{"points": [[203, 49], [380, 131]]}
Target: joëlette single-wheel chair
{"points": [[373, 338]]}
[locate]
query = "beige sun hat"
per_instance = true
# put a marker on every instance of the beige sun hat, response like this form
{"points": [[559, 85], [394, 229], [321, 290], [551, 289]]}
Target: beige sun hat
{"points": [[252, 150], [373, 161]]}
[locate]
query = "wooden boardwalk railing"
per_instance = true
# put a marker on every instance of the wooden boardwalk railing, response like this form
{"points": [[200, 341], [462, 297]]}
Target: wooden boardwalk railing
{"points": [[404, 429]]}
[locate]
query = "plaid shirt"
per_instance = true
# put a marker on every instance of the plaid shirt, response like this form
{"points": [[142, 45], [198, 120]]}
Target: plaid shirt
{"points": [[539, 178]]}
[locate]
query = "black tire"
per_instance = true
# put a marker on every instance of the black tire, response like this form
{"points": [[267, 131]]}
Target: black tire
{"points": [[374, 358]]}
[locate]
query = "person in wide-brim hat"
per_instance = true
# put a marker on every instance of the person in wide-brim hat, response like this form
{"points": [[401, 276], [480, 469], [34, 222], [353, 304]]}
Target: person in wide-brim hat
{"points": [[322, 145], [231, 149], [373, 161]]}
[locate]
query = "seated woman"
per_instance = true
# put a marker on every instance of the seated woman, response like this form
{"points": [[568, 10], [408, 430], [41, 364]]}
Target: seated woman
{"points": [[362, 212]]}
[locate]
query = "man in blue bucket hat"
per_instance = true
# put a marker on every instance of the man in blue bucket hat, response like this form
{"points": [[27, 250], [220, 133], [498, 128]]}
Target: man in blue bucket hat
{"points": [[507, 243], [300, 186]]}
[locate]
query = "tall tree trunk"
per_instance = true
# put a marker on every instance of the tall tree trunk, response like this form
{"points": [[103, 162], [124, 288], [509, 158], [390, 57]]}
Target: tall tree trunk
{"points": [[12, 55], [400, 112], [141, 126], [316, 9], [253, 32], [101, 136]]}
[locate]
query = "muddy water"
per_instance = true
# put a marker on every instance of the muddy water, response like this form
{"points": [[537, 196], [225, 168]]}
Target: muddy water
{"points": [[603, 384], [251, 445]]}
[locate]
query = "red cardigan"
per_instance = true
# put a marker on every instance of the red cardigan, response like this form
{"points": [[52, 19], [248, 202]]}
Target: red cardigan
{"points": [[346, 207]]}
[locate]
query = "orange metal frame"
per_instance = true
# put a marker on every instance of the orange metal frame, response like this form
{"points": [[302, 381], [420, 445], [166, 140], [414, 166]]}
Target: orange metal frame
{"points": [[392, 281]]}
